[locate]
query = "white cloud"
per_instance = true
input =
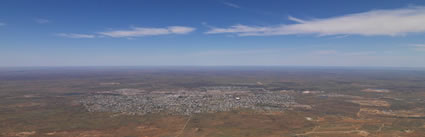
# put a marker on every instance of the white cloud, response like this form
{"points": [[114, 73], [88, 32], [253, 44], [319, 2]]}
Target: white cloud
{"points": [[419, 47], [361, 53], [238, 52], [239, 29], [325, 52], [231, 5], [2, 24], [180, 29], [339, 53], [295, 19], [74, 35], [376, 22], [138, 31], [42, 21]]}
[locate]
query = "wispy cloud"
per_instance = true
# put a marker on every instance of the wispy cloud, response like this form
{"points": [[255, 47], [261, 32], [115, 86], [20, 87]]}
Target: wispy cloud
{"points": [[133, 32], [419, 47], [339, 53], [42, 21], [238, 52], [241, 30], [2, 24], [75, 35], [325, 52], [138, 31], [361, 53], [376, 22], [231, 5]]}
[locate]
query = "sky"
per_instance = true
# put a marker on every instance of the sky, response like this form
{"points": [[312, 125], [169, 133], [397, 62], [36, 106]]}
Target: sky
{"points": [[353, 33]]}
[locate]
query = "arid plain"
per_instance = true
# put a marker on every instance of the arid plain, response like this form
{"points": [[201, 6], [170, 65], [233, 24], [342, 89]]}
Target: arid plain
{"points": [[212, 102]]}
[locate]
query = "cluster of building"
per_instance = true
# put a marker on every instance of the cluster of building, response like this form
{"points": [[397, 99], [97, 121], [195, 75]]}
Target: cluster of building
{"points": [[187, 103]]}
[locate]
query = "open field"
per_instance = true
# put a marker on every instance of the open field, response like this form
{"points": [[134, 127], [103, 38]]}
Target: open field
{"points": [[249, 102]]}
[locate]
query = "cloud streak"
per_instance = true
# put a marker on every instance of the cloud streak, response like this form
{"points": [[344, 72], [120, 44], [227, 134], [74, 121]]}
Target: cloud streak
{"points": [[2, 24], [339, 53], [325, 52], [76, 36], [419, 47], [42, 21], [139, 31], [231, 5], [394, 22]]}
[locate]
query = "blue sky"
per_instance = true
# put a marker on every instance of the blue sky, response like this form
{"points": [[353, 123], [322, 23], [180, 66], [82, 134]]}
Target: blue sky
{"points": [[212, 32]]}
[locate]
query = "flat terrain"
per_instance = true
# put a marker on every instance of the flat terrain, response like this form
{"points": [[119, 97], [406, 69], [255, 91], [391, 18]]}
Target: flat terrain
{"points": [[212, 102]]}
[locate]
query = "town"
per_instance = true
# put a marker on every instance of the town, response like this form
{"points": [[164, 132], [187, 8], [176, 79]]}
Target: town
{"points": [[187, 102]]}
